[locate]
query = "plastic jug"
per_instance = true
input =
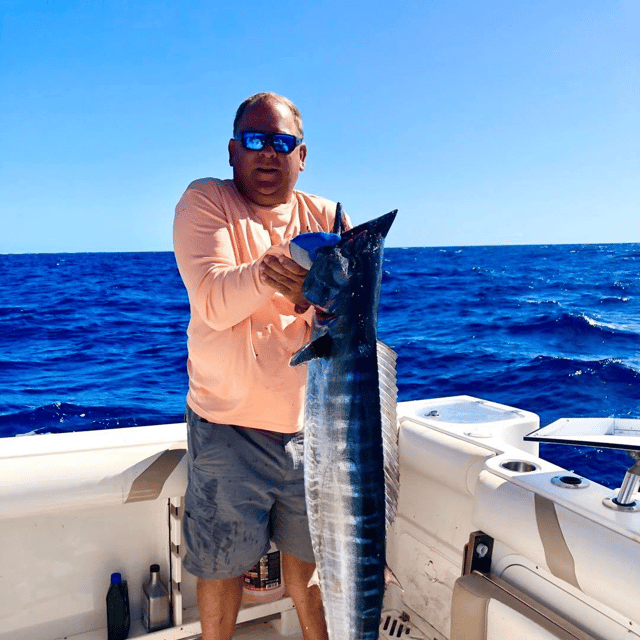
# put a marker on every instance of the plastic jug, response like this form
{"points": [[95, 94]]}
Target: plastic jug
{"points": [[264, 582]]}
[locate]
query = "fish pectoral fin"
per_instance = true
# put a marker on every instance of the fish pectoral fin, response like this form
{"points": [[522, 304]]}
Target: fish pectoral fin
{"points": [[305, 354], [315, 579], [320, 348], [390, 578]]}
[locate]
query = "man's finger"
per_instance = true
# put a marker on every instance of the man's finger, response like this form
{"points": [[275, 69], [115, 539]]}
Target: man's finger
{"points": [[292, 266], [284, 265], [266, 272]]}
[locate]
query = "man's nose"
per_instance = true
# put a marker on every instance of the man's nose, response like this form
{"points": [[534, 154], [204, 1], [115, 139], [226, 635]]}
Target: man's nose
{"points": [[268, 148]]}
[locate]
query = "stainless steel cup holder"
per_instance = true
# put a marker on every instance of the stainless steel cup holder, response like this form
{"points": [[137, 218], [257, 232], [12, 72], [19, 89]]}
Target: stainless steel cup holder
{"points": [[519, 466], [569, 481]]}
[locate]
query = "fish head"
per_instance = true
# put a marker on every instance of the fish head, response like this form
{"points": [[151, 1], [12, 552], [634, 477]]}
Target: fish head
{"points": [[347, 275]]}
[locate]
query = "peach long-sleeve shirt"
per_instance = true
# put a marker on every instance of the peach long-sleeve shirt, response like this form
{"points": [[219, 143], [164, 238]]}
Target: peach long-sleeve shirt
{"points": [[242, 332]]}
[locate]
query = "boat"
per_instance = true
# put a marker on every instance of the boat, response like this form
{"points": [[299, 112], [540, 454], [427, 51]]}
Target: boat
{"points": [[490, 541]]}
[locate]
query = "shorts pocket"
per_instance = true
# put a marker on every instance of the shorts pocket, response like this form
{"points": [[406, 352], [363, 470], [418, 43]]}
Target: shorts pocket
{"points": [[198, 540]]}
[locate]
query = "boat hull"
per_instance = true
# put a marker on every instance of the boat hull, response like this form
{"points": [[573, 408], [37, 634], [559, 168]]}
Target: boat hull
{"points": [[69, 518]]}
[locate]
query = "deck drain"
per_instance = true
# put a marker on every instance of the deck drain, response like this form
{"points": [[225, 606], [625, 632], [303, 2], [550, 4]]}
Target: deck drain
{"points": [[396, 624]]}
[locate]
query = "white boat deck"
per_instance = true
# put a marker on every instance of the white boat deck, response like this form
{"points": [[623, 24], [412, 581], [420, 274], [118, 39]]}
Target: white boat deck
{"points": [[275, 621], [75, 508]]}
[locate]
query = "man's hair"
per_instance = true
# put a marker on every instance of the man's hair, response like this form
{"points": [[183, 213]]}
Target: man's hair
{"points": [[269, 96]]}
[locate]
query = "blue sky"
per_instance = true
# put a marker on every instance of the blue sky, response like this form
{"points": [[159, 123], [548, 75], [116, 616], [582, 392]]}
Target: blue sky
{"points": [[481, 121]]}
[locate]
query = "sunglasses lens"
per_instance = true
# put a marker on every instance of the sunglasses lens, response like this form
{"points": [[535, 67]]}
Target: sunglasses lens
{"points": [[284, 143], [253, 141]]}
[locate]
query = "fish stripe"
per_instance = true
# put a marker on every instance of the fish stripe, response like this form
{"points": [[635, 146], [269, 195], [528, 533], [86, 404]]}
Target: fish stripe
{"points": [[388, 394]]}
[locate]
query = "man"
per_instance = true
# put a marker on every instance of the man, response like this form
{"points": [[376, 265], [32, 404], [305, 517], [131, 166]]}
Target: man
{"points": [[245, 403]]}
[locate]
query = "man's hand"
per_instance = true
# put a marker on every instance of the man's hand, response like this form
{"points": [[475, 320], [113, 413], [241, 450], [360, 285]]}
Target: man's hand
{"points": [[287, 277]]}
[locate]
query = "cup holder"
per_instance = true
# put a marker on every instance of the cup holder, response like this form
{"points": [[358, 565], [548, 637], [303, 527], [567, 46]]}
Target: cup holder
{"points": [[570, 481], [519, 466]]}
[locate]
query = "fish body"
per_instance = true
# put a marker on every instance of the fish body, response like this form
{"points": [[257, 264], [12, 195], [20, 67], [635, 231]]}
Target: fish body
{"points": [[350, 431]]}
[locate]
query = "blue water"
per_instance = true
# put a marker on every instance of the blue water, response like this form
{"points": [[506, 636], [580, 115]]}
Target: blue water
{"points": [[97, 341]]}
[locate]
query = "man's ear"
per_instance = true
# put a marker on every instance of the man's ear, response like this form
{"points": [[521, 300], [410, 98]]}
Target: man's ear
{"points": [[303, 155], [232, 150]]}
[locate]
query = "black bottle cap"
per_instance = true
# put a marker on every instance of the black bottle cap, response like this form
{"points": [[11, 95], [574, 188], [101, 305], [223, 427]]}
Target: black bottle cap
{"points": [[154, 568]]}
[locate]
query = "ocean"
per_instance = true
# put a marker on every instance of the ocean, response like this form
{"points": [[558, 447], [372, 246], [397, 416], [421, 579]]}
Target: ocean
{"points": [[98, 340]]}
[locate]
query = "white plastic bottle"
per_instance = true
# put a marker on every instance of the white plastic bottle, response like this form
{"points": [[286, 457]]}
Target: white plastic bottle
{"points": [[264, 582]]}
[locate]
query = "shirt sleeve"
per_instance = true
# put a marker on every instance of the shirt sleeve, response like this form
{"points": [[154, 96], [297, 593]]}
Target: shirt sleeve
{"points": [[223, 292]]}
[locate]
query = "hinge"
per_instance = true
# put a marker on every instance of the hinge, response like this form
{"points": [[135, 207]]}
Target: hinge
{"points": [[477, 553]]}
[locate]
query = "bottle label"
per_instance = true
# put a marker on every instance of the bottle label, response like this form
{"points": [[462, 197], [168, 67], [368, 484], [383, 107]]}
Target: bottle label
{"points": [[118, 618], [265, 575]]}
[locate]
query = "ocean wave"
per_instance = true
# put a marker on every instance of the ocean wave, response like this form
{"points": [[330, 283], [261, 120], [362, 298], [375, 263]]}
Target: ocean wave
{"points": [[610, 300], [614, 369], [574, 324], [63, 417]]}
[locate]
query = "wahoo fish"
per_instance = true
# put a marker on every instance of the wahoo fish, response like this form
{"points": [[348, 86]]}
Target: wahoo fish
{"points": [[350, 444]]}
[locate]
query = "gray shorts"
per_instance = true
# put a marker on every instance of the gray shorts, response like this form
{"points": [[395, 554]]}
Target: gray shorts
{"points": [[246, 486]]}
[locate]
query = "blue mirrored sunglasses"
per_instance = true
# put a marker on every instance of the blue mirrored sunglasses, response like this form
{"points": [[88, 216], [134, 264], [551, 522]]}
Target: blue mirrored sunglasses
{"points": [[255, 141]]}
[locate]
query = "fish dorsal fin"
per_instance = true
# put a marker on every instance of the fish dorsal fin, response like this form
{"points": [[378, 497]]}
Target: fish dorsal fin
{"points": [[338, 226], [388, 400]]}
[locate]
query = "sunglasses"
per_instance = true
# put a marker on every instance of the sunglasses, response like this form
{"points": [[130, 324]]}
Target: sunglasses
{"points": [[255, 141]]}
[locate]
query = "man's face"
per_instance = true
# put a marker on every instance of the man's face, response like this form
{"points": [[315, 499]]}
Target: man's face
{"points": [[266, 177]]}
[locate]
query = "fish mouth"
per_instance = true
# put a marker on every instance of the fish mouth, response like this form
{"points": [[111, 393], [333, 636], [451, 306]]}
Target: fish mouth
{"points": [[323, 316]]}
